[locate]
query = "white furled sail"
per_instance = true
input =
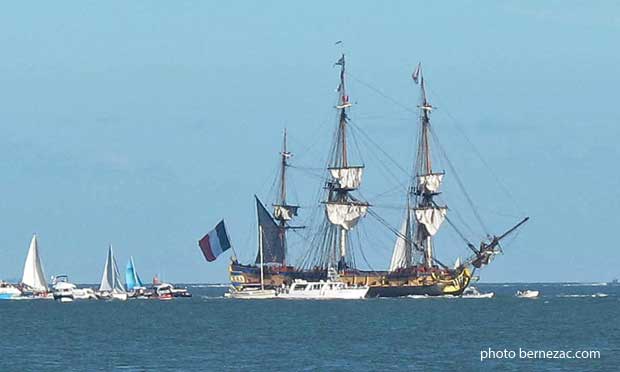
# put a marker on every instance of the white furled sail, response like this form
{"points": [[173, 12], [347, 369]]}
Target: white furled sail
{"points": [[400, 255], [285, 212], [345, 215], [110, 281], [431, 218], [430, 182], [349, 178], [33, 276]]}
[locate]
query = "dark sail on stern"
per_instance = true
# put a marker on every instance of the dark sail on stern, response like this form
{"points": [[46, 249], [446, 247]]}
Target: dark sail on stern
{"points": [[273, 236]]}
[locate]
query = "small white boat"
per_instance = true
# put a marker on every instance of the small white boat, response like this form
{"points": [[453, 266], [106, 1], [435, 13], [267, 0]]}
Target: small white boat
{"points": [[84, 294], [166, 291], [331, 289], [527, 294], [250, 293], [8, 291], [473, 292], [62, 290], [323, 289]]}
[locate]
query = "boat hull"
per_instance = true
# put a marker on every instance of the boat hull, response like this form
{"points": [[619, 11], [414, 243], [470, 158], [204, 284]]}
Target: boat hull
{"points": [[249, 294], [414, 282]]}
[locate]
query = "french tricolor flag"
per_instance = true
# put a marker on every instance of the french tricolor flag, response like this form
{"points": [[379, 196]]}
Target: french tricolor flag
{"points": [[215, 242]]}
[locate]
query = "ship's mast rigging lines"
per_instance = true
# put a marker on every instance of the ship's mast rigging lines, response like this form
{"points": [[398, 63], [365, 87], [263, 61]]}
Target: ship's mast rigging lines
{"points": [[343, 211]]}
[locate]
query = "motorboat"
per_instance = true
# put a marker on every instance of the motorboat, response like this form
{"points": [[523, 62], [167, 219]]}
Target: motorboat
{"points": [[332, 288], [62, 289], [527, 294], [166, 291], [8, 291], [140, 293], [84, 294], [323, 289], [180, 292], [473, 292]]}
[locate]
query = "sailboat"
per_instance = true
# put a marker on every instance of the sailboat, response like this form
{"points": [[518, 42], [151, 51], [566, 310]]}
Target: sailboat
{"points": [[414, 267], [133, 284], [33, 279], [111, 286], [252, 292], [248, 280]]}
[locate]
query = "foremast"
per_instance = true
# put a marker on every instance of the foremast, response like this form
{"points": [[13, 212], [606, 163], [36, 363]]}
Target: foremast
{"points": [[282, 211], [342, 209], [273, 227], [422, 216]]}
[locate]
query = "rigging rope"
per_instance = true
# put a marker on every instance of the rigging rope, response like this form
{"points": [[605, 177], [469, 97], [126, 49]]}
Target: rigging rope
{"points": [[459, 182]]}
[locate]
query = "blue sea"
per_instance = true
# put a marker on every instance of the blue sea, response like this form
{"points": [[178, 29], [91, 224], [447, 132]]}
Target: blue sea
{"points": [[211, 333]]}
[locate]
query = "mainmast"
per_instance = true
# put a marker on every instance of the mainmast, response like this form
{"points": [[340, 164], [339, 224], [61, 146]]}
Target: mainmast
{"points": [[428, 215], [343, 211]]}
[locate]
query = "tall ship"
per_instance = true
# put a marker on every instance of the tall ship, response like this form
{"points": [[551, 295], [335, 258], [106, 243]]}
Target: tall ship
{"points": [[414, 268]]}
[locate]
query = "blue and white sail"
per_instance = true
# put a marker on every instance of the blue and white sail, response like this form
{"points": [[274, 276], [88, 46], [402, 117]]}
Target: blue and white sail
{"points": [[132, 280]]}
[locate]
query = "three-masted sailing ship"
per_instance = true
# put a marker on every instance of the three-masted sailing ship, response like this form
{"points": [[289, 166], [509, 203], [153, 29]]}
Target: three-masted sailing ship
{"points": [[414, 268]]}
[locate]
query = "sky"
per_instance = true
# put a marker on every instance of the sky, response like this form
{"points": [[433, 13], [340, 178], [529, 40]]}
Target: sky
{"points": [[142, 124]]}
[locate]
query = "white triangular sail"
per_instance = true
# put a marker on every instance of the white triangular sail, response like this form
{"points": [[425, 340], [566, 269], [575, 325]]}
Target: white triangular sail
{"points": [[431, 218], [110, 281], [345, 215], [430, 182], [348, 178], [33, 276], [400, 255]]}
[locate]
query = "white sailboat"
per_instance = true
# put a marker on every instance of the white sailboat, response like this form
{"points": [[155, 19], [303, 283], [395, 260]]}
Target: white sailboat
{"points": [[111, 286], [33, 278], [253, 293]]}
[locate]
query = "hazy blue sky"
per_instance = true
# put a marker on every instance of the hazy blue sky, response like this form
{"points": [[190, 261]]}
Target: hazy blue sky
{"points": [[143, 123]]}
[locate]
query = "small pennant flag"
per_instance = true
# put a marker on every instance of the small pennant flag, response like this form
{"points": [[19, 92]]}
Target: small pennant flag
{"points": [[416, 73], [215, 242]]}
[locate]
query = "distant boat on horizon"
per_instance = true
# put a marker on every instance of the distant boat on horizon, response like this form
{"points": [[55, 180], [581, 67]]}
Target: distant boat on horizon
{"points": [[111, 286], [33, 278]]}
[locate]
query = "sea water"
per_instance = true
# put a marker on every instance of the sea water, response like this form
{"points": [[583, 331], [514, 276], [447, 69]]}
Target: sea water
{"points": [[211, 333]]}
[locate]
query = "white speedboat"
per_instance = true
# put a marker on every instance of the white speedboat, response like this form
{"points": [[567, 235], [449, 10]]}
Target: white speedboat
{"points": [[8, 291], [473, 292], [527, 294], [112, 295], [250, 293], [62, 290], [163, 291]]}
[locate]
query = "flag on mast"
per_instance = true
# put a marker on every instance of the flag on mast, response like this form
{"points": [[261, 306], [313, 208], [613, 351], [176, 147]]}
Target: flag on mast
{"points": [[215, 242]]}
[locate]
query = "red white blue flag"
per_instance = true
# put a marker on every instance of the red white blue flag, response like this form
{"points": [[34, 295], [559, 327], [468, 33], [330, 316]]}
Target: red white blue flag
{"points": [[215, 242]]}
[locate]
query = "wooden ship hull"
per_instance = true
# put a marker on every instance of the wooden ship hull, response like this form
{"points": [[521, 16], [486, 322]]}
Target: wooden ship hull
{"points": [[414, 281]]}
